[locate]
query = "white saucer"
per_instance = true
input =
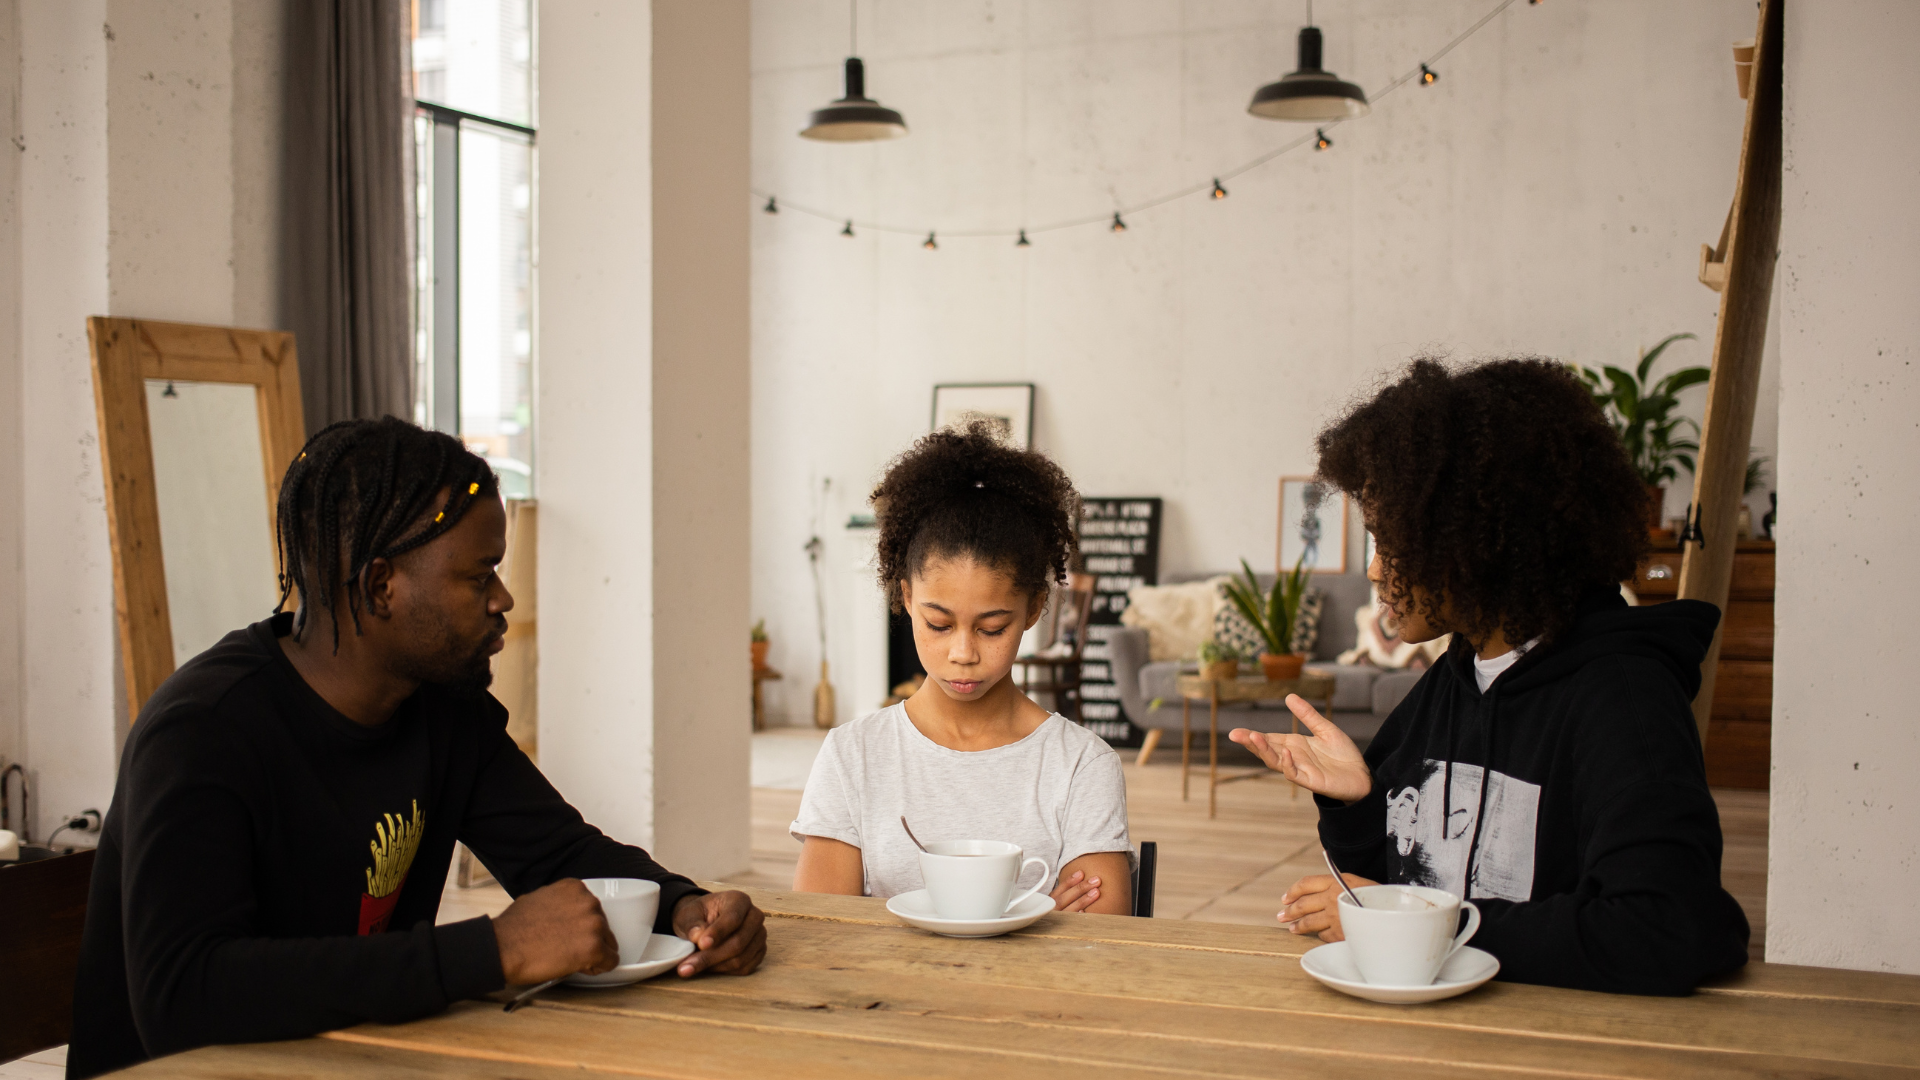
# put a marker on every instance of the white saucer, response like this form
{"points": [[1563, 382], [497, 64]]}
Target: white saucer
{"points": [[1465, 970], [663, 952], [917, 908]]}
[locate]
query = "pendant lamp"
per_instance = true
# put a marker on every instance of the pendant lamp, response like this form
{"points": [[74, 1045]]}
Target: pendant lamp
{"points": [[855, 117], [1309, 95]]}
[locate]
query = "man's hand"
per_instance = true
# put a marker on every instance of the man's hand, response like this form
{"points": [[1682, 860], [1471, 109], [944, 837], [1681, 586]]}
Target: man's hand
{"points": [[1325, 762], [729, 933], [554, 930], [1313, 905]]}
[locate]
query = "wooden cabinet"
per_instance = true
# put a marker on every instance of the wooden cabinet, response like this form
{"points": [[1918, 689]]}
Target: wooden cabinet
{"points": [[1739, 732]]}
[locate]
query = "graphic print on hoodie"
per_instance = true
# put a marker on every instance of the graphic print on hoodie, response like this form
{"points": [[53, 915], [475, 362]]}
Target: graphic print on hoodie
{"points": [[1594, 851], [1432, 832]]}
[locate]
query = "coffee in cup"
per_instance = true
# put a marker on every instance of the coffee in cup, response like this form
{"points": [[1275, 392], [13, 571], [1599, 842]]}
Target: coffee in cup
{"points": [[1404, 933], [630, 905], [974, 879]]}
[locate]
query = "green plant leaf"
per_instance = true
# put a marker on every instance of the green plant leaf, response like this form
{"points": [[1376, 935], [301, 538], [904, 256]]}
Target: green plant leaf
{"points": [[1646, 362]]}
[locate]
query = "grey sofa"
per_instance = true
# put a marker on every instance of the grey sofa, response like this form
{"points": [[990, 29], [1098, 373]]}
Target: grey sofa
{"points": [[1363, 694]]}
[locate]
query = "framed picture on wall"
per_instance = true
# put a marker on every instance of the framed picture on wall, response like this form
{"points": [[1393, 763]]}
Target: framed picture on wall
{"points": [[1007, 406], [1313, 522]]}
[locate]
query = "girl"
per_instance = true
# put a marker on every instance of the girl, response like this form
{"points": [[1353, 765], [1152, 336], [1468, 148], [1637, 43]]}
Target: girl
{"points": [[1548, 767], [972, 533]]}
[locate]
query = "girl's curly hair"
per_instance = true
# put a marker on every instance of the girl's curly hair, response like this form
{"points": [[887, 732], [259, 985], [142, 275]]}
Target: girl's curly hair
{"points": [[963, 492], [1497, 487]]}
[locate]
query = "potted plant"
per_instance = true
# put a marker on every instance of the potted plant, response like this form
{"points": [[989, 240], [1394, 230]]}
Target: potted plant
{"points": [[1219, 661], [758, 636], [1272, 616], [1642, 414]]}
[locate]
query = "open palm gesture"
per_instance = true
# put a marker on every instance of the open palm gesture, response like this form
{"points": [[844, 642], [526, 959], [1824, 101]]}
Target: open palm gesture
{"points": [[1324, 762]]}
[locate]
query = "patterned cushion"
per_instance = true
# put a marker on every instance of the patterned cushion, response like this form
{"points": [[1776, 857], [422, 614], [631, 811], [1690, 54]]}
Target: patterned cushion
{"points": [[1232, 628]]}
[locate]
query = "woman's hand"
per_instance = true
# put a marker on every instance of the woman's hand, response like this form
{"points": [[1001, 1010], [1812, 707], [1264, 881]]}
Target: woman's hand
{"points": [[1313, 905], [1325, 762], [1100, 882], [1075, 892]]}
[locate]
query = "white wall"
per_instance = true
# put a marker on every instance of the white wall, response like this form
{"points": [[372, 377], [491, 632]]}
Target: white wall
{"points": [[1845, 746], [642, 424], [1548, 195], [144, 189]]}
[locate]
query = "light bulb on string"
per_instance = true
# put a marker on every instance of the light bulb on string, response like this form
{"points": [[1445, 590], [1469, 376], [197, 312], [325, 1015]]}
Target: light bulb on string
{"points": [[1320, 140], [1427, 76], [848, 231], [1022, 242], [930, 244], [1118, 225], [1218, 191], [771, 207]]}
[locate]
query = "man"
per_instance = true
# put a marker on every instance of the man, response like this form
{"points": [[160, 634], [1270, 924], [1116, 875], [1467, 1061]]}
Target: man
{"points": [[288, 801]]}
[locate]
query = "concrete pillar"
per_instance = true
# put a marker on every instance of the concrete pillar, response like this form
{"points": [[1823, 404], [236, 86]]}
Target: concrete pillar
{"points": [[642, 455], [1845, 745]]}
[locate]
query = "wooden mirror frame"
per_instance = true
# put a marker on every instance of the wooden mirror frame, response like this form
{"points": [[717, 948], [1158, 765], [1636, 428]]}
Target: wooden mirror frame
{"points": [[126, 353]]}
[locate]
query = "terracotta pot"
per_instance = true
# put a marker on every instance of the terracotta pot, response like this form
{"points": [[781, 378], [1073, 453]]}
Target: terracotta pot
{"points": [[760, 654], [1656, 504], [1220, 670], [1282, 667]]}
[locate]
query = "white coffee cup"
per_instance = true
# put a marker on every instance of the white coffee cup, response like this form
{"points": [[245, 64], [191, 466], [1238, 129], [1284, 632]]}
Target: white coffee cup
{"points": [[630, 905], [974, 879], [1405, 933]]}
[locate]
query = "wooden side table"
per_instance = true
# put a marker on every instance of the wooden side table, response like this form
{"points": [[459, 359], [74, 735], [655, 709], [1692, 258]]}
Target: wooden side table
{"points": [[760, 675], [1316, 689]]}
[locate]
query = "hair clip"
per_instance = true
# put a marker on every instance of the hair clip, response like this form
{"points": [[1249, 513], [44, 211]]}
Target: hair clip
{"points": [[438, 516], [473, 488]]}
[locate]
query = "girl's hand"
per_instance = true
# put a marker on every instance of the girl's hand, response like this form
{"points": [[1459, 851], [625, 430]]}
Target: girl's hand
{"points": [[1325, 762], [1313, 905], [1076, 892]]}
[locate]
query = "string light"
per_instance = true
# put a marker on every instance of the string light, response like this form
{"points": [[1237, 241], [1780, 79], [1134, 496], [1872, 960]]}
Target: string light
{"points": [[1424, 73]]}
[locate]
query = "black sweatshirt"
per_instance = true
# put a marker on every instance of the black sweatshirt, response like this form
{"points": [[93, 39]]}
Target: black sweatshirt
{"points": [[270, 869], [1595, 851]]}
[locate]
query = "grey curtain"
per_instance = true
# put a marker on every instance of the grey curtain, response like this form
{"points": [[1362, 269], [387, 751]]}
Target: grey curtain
{"points": [[344, 216]]}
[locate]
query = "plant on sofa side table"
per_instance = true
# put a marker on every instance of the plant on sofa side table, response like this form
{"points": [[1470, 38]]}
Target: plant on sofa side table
{"points": [[1219, 661], [1273, 615], [1642, 415]]}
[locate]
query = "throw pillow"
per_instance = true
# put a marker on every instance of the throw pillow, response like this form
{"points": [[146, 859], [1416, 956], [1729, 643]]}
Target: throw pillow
{"points": [[1379, 643], [1177, 618], [1306, 625]]}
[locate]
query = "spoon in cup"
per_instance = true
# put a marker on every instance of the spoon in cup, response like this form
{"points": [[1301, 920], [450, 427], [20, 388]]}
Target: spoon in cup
{"points": [[910, 836], [1337, 876]]}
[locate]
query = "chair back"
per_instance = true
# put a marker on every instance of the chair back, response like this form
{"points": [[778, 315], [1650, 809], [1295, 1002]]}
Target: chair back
{"points": [[43, 907], [1071, 606], [1143, 875]]}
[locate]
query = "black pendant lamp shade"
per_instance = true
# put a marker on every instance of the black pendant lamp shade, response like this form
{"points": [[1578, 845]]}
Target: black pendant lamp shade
{"points": [[1309, 95], [856, 117]]}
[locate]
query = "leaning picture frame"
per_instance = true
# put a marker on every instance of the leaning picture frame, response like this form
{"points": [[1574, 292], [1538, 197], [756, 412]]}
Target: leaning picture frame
{"points": [[1007, 406], [1313, 522]]}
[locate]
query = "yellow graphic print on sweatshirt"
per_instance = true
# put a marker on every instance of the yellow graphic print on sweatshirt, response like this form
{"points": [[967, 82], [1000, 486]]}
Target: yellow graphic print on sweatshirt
{"points": [[393, 845]]}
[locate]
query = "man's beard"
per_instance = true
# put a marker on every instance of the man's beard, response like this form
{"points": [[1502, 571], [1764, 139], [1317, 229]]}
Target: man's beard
{"points": [[465, 674]]}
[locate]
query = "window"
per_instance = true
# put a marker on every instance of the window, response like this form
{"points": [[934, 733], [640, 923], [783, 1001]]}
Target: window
{"points": [[473, 192]]}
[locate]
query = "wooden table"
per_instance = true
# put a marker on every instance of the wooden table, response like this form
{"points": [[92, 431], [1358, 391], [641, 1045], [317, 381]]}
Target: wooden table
{"points": [[760, 675], [1317, 689], [848, 992]]}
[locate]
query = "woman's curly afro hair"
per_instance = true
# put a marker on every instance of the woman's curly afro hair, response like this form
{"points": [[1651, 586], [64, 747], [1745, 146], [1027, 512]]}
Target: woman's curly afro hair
{"points": [[964, 493], [1497, 487]]}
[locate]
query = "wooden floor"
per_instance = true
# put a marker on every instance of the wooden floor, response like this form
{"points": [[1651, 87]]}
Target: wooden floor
{"points": [[1232, 869]]}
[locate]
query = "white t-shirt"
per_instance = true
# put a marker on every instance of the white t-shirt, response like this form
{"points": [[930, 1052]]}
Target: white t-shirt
{"points": [[1485, 671], [1058, 793]]}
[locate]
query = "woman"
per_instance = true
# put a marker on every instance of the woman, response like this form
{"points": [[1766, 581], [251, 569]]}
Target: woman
{"points": [[972, 534], [1548, 767]]}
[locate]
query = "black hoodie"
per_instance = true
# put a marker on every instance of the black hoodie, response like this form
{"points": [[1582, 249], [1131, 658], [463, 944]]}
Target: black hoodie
{"points": [[1594, 855]]}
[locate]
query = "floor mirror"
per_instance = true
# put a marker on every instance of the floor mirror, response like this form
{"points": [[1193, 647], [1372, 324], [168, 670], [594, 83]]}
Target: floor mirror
{"points": [[197, 426]]}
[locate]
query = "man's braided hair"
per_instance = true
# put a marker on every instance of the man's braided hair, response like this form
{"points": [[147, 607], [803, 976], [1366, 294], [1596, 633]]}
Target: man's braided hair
{"points": [[966, 493], [363, 490]]}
